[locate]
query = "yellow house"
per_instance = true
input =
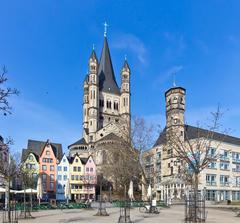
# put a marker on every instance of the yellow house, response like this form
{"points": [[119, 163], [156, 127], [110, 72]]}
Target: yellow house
{"points": [[76, 178], [31, 166]]}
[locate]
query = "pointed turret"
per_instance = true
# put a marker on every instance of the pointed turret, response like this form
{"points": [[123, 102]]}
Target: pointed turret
{"points": [[125, 94], [107, 80], [125, 66]]}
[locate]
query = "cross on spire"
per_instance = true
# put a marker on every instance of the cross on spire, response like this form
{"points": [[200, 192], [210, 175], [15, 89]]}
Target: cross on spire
{"points": [[105, 29]]}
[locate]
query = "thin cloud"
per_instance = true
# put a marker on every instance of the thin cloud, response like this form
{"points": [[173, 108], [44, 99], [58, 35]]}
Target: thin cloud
{"points": [[176, 45], [132, 43], [167, 74]]}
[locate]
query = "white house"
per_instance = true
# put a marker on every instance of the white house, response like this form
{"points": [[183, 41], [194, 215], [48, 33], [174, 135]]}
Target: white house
{"points": [[63, 174]]}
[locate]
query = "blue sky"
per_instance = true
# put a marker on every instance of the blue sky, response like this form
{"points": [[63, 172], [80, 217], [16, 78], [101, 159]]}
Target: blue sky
{"points": [[46, 45]]}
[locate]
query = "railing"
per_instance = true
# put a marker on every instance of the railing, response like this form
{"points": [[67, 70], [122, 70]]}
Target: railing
{"points": [[236, 170], [225, 158], [211, 183], [224, 184], [236, 160]]}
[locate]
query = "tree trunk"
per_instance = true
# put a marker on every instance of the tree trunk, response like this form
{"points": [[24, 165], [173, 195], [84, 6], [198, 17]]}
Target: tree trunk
{"points": [[24, 201], [195, 197], [9, 208]]}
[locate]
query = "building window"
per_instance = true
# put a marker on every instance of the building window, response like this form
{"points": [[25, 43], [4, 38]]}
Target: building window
{"points": [[65, 177], [115, 106], [212, 165], [74, 169], [51, 168], [44, 167], [87, 169], [44, 177], [59, 177], [109, 104], [79, 169], [211, 195], [72, 177], [224, 155], [91, 169], [224, 166], [52, 177], [59, 168], [101, 103], [211, 179], [51, 186], [224, 180], [65, 168]]}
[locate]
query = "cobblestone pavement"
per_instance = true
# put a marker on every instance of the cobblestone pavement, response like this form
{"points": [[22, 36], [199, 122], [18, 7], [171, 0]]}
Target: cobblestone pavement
{"points": [[170, 215]]}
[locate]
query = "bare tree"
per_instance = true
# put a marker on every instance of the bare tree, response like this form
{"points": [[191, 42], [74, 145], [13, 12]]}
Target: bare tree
{"points": [[123, 161], [9, 170], [5, 93], [195, 152]]}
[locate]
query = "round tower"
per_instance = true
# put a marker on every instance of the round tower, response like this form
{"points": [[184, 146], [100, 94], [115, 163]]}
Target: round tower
{"points": [[175, 107]]}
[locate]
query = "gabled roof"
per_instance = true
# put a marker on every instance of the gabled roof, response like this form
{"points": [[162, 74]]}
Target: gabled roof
{"points": [[110, 136], [107, 80], [84, 160], [81, 141], [38, 146], [192, 132], [25, 154]]}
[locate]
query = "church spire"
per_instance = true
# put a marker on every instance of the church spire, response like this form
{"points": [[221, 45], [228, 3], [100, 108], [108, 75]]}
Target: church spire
{"points": [[107, 80]]}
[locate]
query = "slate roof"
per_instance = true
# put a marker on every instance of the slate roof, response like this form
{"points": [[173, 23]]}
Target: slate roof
{"points": [[37, 147], [26, 152], [81, 141], [193, 132], [107, 80]]}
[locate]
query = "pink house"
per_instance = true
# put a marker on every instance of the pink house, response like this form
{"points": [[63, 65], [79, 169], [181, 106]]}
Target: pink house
{"points": [[90, 178]]}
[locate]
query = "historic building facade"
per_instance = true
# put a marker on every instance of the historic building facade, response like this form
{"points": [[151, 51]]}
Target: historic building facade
{"points": [[220, 180], [106, 106]]}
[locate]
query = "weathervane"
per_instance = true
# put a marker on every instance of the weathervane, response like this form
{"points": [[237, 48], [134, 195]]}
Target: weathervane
{"points": [[125, 56], [93, 46], [105, 29]]}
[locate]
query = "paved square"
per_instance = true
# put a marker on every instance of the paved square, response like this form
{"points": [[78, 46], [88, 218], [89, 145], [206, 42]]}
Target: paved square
{"points": [[170, 215]]}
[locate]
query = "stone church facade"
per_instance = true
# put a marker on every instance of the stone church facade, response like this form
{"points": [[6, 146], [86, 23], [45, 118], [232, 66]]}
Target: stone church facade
{"points": [[106, 106]]}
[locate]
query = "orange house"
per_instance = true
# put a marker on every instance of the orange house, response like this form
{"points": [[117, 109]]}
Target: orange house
{"points": [[48, 170]]}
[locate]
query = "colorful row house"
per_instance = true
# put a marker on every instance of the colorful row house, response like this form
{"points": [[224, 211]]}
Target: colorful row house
{"points": [[83, 178], [45, 159]]}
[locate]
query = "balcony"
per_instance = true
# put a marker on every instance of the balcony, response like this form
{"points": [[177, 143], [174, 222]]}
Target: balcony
{"points": [[236, 170], [211, 183]]}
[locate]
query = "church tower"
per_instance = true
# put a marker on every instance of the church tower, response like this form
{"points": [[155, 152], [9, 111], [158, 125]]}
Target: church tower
{"points": [[106, 106], [175, 122], [175, 109], [93, 97], [125, 95]]}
